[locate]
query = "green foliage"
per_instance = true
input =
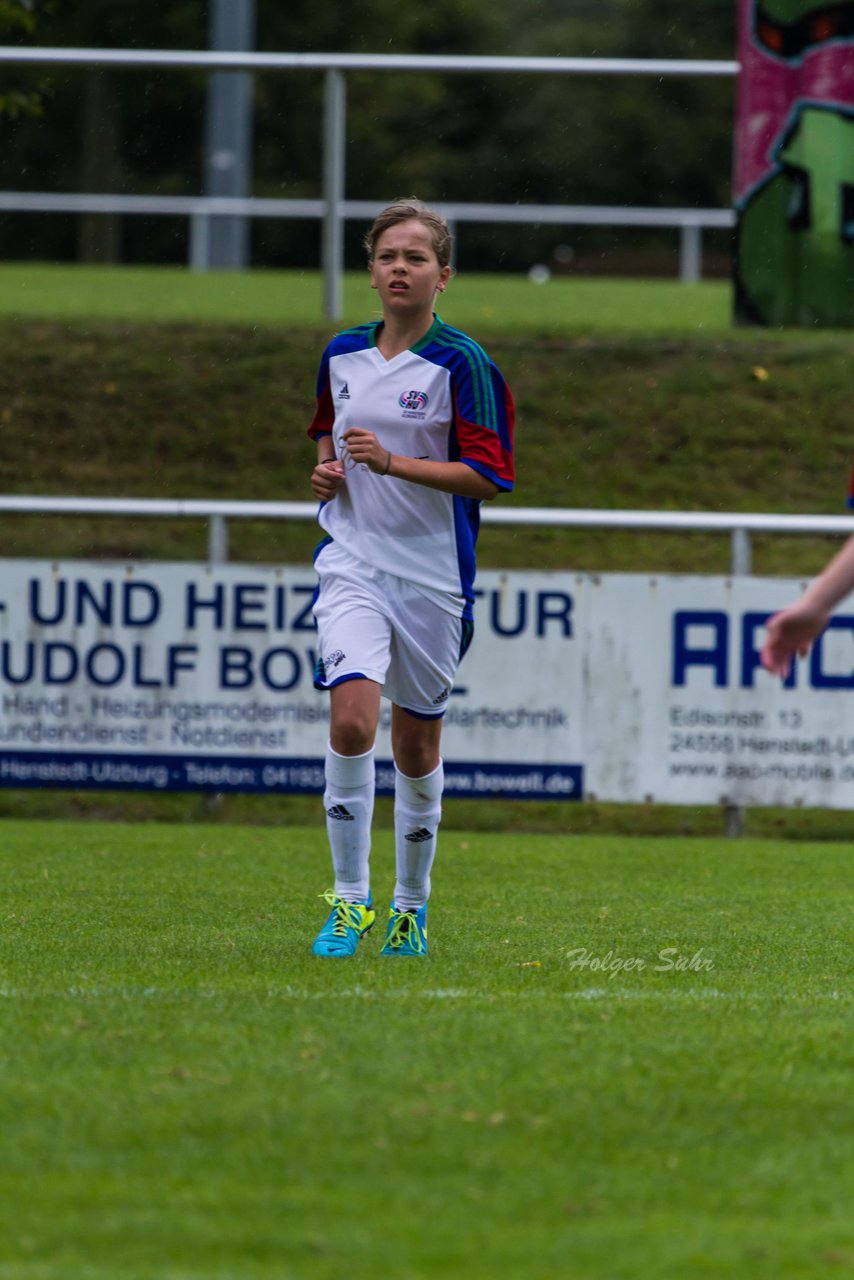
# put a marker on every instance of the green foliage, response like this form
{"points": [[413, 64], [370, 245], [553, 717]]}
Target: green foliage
{"points": [[14, 104], [538, 138], [17, 15], [17, 18], [670, 29], [191, 1095]]}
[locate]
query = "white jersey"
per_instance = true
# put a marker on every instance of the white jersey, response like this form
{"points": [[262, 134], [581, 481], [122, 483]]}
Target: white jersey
{"points": [[442, 400]]}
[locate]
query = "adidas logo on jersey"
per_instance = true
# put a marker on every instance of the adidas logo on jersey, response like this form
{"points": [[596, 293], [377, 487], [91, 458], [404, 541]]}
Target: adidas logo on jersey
{"points": [[344, 393], [419, 836], [339, 813]]}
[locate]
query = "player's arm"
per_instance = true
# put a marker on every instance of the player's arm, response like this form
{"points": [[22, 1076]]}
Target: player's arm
{"points": [[449, 477], [793, 629], [328, 474]]}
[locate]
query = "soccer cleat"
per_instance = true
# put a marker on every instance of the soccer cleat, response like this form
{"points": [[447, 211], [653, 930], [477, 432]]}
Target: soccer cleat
{"points": [[347, 923], [407, 932]]}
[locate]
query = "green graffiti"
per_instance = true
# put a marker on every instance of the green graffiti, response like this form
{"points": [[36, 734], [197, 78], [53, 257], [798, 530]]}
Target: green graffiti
{"points": [[795, 257]]}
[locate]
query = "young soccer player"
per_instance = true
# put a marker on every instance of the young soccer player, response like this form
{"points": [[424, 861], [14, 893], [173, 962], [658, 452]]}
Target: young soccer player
{"points": [[793, 629], [414, 428]]}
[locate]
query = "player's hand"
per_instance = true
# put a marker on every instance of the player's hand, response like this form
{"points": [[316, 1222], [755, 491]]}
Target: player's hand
{"points": [[790, 635], [363, 447], [326, 480]]}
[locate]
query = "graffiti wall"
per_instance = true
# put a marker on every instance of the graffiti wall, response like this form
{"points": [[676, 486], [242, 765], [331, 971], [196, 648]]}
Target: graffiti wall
{"points": [[794, 163]]}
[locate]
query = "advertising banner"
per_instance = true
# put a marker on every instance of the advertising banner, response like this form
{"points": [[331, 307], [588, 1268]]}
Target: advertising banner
{"points": [[794, 163], [621, 687], [191, 677]]}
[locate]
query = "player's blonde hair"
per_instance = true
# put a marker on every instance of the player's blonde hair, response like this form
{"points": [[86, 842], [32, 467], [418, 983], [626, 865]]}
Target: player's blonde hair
{"points": [[403, 210]]}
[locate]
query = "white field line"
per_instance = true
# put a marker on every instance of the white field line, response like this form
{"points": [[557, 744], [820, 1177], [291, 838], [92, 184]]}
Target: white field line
{"points": [[298, 994]]}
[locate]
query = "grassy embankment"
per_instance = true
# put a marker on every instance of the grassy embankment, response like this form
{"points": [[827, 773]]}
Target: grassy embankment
{"points": [[629, 394]]}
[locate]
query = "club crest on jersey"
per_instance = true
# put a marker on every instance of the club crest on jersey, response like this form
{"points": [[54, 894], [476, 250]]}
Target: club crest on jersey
{"points": [[413, 404]]}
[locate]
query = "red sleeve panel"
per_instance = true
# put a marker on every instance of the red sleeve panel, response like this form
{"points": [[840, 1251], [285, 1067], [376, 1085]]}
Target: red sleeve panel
{"points": [[489, 450]]}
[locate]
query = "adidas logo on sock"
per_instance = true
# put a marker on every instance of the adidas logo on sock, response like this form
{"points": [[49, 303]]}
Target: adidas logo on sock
{"points": [[340, 813], [419, 836]]}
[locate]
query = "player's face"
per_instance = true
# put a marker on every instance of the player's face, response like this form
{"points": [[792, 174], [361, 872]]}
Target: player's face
{"points": [[405, 270]]}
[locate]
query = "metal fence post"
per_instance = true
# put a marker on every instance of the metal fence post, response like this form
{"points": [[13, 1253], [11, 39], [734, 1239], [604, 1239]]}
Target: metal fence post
{"points": [[453, 229], [199, 241], [228, 134], [690, 254], [741, 553], [334, 146], [217, 554], [217, 540], [740, 567]]}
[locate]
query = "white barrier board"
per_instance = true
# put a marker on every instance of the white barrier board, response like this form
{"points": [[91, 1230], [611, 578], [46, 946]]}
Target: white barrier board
{"points": [[623, 687]]}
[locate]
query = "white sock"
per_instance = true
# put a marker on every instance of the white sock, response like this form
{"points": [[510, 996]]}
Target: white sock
{"points": [[417, 814], [349, 803]]}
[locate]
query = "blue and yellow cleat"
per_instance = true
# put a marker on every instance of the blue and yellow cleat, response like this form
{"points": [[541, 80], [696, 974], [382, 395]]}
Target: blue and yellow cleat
{"points": [[347, 923], [407, 933]]}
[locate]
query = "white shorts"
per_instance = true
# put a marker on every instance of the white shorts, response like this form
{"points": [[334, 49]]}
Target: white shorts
{"points": [[373, 625]]}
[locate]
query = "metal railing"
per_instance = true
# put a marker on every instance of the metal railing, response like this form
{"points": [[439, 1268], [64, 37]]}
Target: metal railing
{"points": [[333, 208], [690, 223], [217, 512]]}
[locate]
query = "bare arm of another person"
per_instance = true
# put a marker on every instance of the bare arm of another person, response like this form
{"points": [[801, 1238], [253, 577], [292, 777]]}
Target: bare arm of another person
{"points": [[793, 629]]}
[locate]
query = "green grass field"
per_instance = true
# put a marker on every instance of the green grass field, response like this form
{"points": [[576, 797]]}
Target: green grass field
{"points": [[626, 1058], [623, 1060]]}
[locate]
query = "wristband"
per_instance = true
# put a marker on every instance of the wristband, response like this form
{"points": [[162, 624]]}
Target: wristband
{"points": [[385, 469]]}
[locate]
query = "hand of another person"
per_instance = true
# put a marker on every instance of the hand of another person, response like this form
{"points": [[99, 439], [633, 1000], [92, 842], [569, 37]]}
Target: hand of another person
{"points": [[790, 634]]}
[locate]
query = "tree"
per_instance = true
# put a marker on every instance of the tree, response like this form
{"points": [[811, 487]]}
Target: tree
{"points": [[19, 17]]}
